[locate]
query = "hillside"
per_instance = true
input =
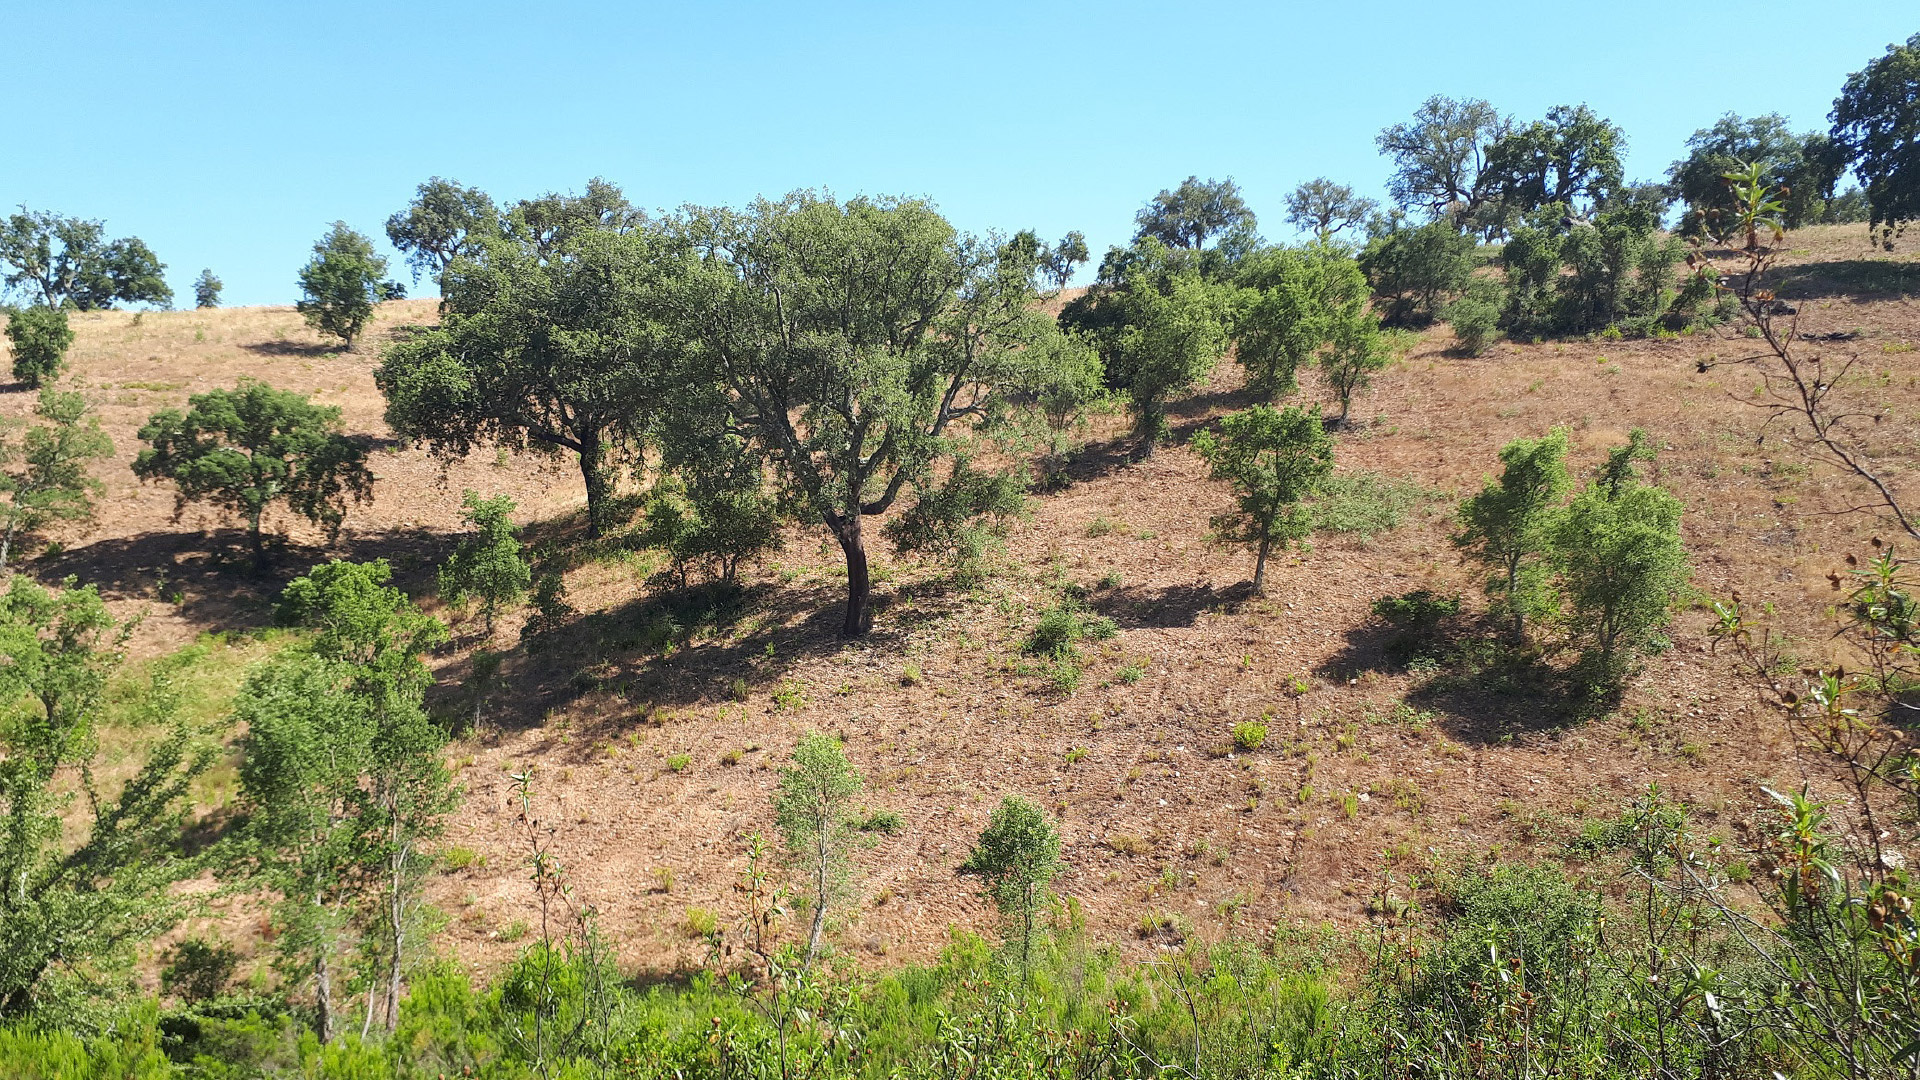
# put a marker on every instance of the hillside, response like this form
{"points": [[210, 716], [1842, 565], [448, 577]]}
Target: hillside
{"points": [[1370, 774]]}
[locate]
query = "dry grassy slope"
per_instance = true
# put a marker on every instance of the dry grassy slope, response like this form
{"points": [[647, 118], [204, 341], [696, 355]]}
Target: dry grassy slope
{"points": [[1482, 773]]}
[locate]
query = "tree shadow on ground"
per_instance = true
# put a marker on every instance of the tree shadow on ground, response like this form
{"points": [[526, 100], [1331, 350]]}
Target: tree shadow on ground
{"points": [[294, 348], [708, 645], [1137, 606], [210, 579], [1856, 279], [1096, 460]]}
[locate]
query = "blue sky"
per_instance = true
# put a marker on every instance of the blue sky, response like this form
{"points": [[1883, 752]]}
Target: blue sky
{"points": [[230, 135]]}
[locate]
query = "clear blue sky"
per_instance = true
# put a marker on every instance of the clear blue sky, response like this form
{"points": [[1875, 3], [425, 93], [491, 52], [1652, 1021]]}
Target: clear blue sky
{"points": [[230, 135]]}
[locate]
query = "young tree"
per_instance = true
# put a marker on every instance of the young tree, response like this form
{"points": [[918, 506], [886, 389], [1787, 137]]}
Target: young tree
{"points": [[1288, 304], [1273, 459], [554, 338], [65, 261], [1438, 157], [373, 637], [961, 519], [341, 283], [1355, 350], [714, 510], [1414, 268], [443, 222], [206, 290], [1876, 126], [1323, 208], [1195, 212], [857, 344], [1017, 856], [246, 448], [813, 810], [40, 337], [487, 565], [1160, 326], [52, 482], [89, 871], [1622, 567], [1510, 525]]}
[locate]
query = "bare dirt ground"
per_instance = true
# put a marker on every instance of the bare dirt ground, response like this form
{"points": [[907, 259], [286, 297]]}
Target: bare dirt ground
{"points": [[1370, 774]]}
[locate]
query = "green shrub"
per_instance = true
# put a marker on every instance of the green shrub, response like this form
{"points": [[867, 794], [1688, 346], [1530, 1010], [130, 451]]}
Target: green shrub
{"points": [[1062, 627], [40, 337], [1474, 316], [1363, 503], [1249, 735]]}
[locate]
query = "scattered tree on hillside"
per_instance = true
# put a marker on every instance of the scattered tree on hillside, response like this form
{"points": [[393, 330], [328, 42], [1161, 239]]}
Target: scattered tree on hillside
{"points": [[1802, 167], [1017, 857], [246, 448], [1355, 350], [1415, 268], [1510, 525], [487, 564], [89, 870], [443, 222], [40, 337], [1195, 212], [1876, 126], [65, 261], [1160, 326], [813, 810], [1569, 160], [1439, 155], [52, 482], [1622, 567], [858, 345], [1325, 208], [341, 283], [1273, 459], [206, 290], [553, 338], [1287, 308]]}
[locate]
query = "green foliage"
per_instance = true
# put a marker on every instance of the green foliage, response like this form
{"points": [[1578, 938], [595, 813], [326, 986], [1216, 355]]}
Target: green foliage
{"points": [[487, 565], [1875, 128], [1249, 735], [443, 222], [40, 338], [1474, 315], [1804, 166], [1160, 325], [813, 809], [342, 781], [1415, 268], [1622, 567], [341, 283], [963, 519], [716, 513], [247, 448], [1017, 857], [68, 262], [1061, 629], [89, 870], [1274, 459], [1324, 208], [1291, 307], [206, 290], [1569, 161], [52, 482], [860, 343], [1439, 155], [551, 339], [1511, 524], [1195, 212], [1418, 619], [197, 969], [1617, 272]]}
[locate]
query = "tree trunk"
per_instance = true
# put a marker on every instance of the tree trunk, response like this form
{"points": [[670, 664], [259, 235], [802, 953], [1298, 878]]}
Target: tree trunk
{"points": [[323, 995], [6, 542], [593, 471], [1260, 566], [396, 923], [255, 540], [859, 618], [820, 870], [1513, 599]]}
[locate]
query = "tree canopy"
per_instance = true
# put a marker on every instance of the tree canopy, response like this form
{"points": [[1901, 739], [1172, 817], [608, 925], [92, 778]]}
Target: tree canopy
{"points": [[554, 338], [69, 262], [1273, 458], [1324, 208], [53, 481], [1439, 155], [1800, 166], [247, 448], [1194, 213], [341, 283], [443, 222], [858, 344], [1876, 123]]}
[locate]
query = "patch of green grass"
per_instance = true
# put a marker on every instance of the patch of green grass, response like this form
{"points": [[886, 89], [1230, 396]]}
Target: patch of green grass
{"points": [[882, 821], [1249, 735], [1364, 503], [679, 762]]}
